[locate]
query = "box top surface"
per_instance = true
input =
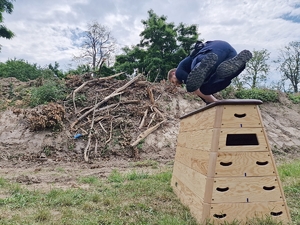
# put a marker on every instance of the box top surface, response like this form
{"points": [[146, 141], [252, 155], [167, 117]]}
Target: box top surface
{"points": [[225, 102]]}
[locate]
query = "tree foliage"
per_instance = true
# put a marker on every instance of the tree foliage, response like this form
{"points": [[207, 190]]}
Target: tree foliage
{"points": [[21, 70], [97, 47], [55, 69], [5, 6], [133, 58], [161, 48], [289, 64], [257, 69]]}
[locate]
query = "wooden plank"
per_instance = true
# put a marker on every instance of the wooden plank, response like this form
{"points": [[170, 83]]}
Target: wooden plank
{"points": [[192, 179], [245, 189], [187, 197], [218, 117], [200, 121], [243, 164], [224, 102], [224, 132], [198, 139], [242, 211], [195, 159], [276, 172], [240, 116]]}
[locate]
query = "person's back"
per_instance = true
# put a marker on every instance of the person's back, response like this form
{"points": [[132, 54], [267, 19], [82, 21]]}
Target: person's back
{"points": [[211, 69]]}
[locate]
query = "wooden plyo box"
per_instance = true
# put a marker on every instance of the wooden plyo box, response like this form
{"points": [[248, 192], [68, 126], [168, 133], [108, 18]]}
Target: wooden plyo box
{"points": [[224, 168]]}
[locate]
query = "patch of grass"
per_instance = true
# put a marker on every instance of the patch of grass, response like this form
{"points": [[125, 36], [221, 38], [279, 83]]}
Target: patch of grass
{"points": [[42, 215], [136, 175], [2, 182], [290, 177], [115, 177], [289, 171], [123, 198], [89, 180], [295, 98], [146, 163]]}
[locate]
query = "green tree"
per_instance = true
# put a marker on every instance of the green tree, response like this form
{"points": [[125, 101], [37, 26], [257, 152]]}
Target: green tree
{"points": [[133, 58], [257, 69], [81, 69], [97, 47], [20, 69], [5, 6], [289, 63], [55, 69], [162, 47]]}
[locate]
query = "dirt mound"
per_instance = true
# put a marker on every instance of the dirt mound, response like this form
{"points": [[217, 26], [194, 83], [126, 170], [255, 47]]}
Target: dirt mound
{"points": [[101, 119], [107, 123]]}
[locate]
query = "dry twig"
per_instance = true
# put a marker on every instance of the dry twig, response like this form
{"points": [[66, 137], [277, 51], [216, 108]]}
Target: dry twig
{"points": [[102, 127], [143, 120], [90, 81], [115, 93], [90, 135], [146, 133], [110, 133]]}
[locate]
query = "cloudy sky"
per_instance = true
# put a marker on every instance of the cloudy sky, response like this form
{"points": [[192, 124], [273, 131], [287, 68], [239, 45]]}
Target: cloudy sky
{"points": [[46, 30]]}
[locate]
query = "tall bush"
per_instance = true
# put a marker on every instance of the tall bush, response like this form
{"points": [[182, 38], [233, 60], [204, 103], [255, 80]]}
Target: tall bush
{"points": [[51, 91]]}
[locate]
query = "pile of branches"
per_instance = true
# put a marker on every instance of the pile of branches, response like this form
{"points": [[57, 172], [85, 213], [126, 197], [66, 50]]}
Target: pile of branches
{"points": [[116, 116]]}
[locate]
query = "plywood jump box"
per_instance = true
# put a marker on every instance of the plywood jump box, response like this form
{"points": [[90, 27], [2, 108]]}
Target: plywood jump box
{"points": [[224, 168]]}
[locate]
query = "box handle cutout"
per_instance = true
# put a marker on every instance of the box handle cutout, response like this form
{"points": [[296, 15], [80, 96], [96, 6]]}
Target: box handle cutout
{"points": [[222, 189], [220, 216], [276, 213], [269, 188], [225, 163], [241, 139], [240, 115], [262, 163]]}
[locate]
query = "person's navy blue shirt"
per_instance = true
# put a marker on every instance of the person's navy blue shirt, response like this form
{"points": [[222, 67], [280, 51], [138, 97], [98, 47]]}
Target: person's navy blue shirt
{"points": [[183, 69]]}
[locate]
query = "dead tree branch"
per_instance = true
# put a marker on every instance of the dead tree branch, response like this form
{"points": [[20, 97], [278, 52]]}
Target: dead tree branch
{"points": [[143, 120], [90, 81], [115, 93], [90, 136], [144, 134]]}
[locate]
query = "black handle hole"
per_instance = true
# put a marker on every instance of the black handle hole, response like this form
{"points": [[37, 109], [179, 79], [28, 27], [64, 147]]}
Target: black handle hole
{"points": [[225, 163], [268, 188], [276, 213], [262, 163], [240, 115], [222, 189], [220, 216]]}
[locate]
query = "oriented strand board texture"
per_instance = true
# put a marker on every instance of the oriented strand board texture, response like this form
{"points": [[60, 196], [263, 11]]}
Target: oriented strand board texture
{"points": [[232, 164], [245, 189], [197, 139], [240, 116], [203, 120], [241, 211], [259, 132], [224, 179]]}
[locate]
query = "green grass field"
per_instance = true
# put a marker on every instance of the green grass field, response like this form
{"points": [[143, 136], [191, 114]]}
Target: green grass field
{"points": [[131, 198]]}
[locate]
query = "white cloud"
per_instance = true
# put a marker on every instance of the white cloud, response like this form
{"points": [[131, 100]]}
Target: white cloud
{"points": [[46, 31]]}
